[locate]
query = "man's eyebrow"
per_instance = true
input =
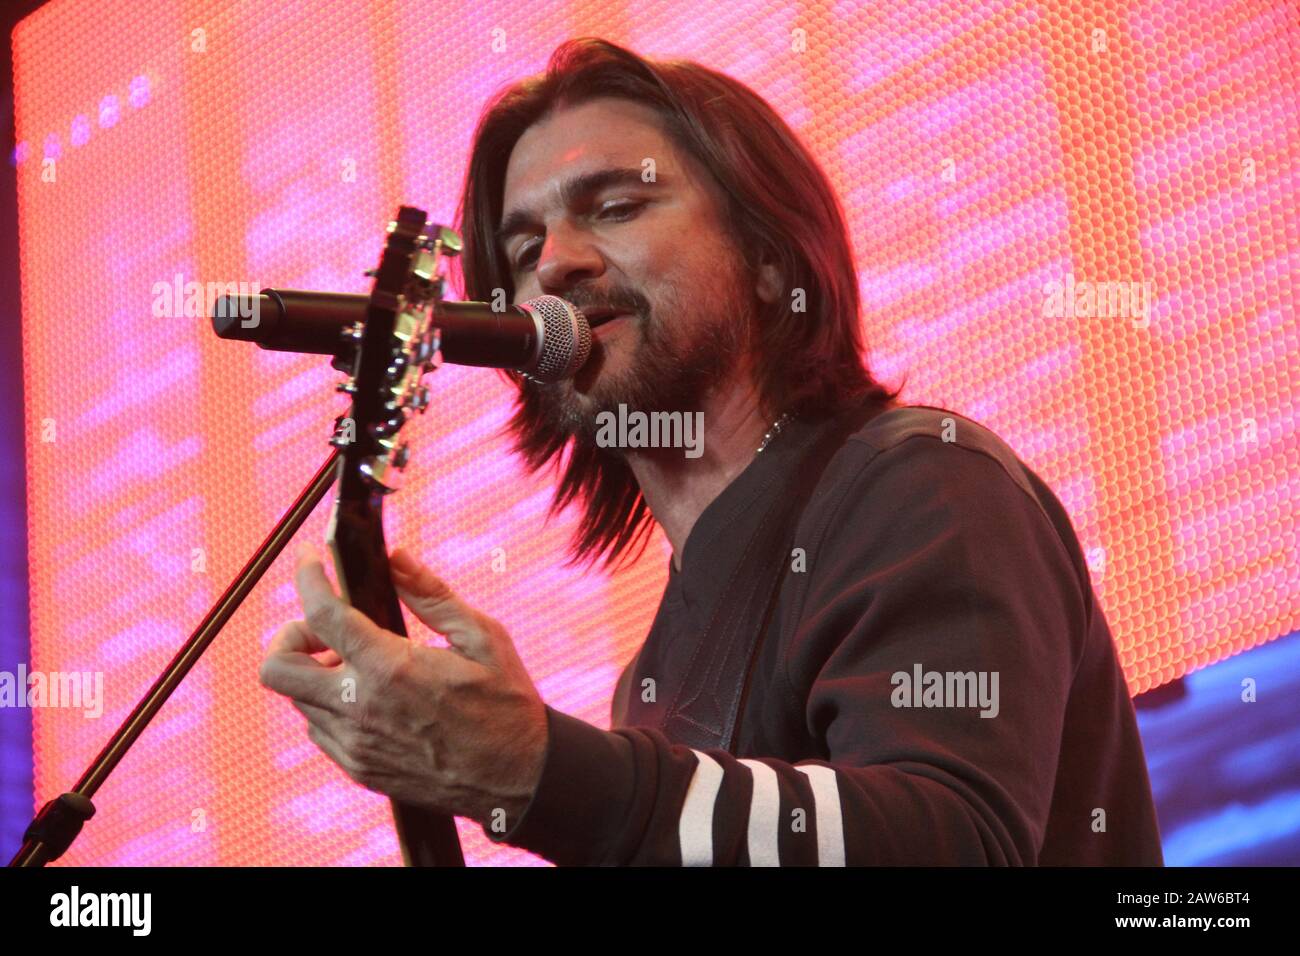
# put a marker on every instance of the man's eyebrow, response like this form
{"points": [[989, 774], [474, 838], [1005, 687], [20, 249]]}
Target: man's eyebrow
{"points": [[572, 191]]}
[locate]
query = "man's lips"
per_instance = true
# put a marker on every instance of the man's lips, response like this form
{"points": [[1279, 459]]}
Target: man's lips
{"points": [[597, 319]]}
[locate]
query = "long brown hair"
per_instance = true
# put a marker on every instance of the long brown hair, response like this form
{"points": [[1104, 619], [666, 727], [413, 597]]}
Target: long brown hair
{"points": [[780, 205]]}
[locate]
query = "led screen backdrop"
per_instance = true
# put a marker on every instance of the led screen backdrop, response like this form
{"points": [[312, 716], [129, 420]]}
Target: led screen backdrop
{"points": [[1074, 222]]}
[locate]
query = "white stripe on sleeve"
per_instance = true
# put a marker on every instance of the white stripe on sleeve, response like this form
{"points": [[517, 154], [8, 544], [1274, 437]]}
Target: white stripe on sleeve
{"points": [[830, 822], [695, 826], [764, 815]]}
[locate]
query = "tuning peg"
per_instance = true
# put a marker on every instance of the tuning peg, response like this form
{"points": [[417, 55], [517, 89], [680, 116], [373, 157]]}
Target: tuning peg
{"points": [[420, 398], [424, 350], [402, 455], [425, 265], [349, 387], [449, 239], [390, 426]]}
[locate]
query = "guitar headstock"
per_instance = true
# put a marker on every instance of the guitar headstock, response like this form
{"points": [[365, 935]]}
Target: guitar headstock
{"points": [[392, 351]]}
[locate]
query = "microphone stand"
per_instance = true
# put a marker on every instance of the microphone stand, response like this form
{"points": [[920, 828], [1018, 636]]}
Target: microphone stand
{"points": [[52, 831]]}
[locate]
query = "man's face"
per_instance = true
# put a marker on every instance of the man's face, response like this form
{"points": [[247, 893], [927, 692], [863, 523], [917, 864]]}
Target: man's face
{"points": [[656, 250]]}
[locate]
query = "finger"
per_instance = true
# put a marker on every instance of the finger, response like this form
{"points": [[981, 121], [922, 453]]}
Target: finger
{"points": [[433, 601], [323, 717], [294, 673], [338, 625], [296, 638]]}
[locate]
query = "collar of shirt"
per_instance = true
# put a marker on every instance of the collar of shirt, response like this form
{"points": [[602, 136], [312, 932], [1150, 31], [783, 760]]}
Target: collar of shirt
{"points": [[718, 537]]}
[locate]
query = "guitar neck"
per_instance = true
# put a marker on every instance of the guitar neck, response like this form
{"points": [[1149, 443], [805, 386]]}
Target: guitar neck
{"points": [[356, 543]]}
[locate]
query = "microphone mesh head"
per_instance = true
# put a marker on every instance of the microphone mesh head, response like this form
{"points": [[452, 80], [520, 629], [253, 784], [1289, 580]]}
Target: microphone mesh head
{"points": [[566, 338]]}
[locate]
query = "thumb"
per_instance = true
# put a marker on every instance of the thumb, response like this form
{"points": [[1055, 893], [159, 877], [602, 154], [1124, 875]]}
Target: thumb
{"points": [[433, 601]]}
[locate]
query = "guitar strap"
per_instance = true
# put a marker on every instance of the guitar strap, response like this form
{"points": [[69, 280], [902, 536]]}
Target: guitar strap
{"points": [[706, 712]]}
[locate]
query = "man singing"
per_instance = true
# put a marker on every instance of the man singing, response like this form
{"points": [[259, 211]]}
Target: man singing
{"points": [[878, 644]]}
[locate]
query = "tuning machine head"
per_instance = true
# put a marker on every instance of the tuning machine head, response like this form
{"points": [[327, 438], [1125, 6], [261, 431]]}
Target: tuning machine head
{"points": [[408, 286]]}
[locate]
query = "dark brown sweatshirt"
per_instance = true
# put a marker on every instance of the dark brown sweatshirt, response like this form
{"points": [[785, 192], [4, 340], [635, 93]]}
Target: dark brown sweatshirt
{"points": [[936, 683]]}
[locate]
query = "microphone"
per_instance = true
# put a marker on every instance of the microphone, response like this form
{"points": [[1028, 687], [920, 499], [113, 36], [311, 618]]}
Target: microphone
{"points": [[546, 338]]}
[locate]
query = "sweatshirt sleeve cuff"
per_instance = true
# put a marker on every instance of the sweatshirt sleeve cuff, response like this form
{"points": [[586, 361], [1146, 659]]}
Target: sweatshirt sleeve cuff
{"points": [[579, 806]]}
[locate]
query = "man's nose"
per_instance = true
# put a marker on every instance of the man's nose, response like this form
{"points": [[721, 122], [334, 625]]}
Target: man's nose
{"points": [[568, 256]]}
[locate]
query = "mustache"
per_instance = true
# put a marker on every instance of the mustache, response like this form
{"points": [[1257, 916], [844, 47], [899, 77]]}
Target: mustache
{"points": [[618, 301]]}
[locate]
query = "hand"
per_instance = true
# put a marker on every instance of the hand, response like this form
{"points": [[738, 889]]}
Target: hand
{"points": [[461, 730]]}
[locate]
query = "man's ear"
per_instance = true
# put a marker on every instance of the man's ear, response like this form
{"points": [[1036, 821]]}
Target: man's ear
{"points": [[769, 283]]}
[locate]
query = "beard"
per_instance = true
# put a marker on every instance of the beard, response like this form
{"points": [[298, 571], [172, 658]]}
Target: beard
{"points": [[678, 355]]}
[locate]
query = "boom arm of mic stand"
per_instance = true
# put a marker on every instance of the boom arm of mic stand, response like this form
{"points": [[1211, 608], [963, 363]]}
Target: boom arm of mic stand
{"points": [[60, 820]]}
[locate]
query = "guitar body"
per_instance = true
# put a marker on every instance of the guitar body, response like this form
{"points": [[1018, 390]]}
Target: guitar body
{"points": [[394, 348]]}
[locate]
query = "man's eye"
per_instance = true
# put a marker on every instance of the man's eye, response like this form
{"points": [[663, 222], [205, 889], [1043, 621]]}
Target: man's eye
{"points": [[620, 210], [525, 255]]}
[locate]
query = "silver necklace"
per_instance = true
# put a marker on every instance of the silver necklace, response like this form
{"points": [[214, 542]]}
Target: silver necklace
{"points": [[774, 430]]}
